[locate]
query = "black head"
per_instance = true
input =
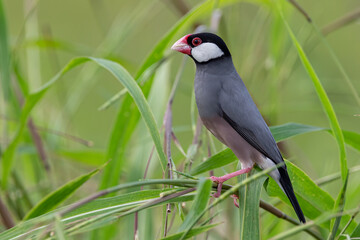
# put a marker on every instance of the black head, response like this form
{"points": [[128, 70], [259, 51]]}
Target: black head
{"points": [[202, 47]]}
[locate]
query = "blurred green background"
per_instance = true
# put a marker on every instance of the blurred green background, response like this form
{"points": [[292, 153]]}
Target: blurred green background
{"points": [[45, 35]]}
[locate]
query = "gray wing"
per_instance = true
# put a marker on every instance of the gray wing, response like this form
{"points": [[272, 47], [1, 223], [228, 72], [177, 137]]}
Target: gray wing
{"points": [[240, 111]]}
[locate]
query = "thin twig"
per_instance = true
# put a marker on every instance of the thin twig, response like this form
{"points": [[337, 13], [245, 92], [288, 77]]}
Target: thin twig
{"points": [[35, 135], [5, 214], [276, 212], [196, 143], [341, 22], [177, 143], [168, 132], [335, 176], [136, 221], [24, 194], [38, 144], [55, 132], [301, 10], [211, 173], [179, 5], [68, 136]]}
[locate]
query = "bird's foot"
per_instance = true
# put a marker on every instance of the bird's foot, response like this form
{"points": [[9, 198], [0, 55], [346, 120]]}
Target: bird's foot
{"points": [[222, 179]]}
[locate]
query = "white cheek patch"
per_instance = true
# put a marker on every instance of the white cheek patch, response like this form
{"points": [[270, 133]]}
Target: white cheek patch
{"points": [[206, 51]]}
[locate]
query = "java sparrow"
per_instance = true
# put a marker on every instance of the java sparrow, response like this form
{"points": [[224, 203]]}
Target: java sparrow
{"points": [[229, 113]]}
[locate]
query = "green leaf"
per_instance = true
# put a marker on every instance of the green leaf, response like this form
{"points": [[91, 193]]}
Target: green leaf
{"points": [[249, 199], [352, 139], [313, 205], [56, 197], [356, 232], [134, 90], [199, 204], [288, 130], [218, 160], [193, 232]]}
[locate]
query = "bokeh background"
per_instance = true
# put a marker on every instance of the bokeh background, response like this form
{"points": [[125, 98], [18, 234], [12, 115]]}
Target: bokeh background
{"points": [[45, 35]]}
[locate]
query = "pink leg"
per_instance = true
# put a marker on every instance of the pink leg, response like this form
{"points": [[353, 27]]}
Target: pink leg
{"points": [[222, 179]]}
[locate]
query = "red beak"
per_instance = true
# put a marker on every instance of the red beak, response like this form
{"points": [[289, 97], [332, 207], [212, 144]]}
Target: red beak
{"points": [[182, 46]]}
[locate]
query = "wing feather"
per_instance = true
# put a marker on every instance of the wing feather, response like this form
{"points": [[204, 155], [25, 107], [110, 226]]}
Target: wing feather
{"points": [[240, 111]]}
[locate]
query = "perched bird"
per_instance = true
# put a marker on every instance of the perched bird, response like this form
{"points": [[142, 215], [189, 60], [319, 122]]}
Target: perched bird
{"points": [[229, 113]]}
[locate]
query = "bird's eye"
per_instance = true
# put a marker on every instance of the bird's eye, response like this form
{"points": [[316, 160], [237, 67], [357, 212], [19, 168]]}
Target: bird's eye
{"points": [[196, 41]]}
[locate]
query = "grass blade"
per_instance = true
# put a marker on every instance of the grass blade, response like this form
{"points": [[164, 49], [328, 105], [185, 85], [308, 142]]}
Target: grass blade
{"points": [[120, 74], [356, 232], [330, 113], [52, 200], [288, 130], [134, 90], [249, 199], [200, 203]]}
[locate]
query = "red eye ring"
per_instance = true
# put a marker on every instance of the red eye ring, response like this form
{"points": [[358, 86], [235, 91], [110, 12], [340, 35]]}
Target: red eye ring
{"points": [[196, 41]]}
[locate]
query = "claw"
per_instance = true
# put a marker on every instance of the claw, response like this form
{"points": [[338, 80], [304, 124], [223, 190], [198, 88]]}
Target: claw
{"points": [[235, 197], [221, 180]]}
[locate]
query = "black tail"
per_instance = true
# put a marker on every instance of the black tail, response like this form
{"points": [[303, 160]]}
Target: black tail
{"points": [[289, 191]]}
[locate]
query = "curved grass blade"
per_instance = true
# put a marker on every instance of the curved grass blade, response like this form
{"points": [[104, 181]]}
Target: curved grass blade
{"points": [[327, 106], [134, 90], [120, 74], [127, 117], [53, 199], [334, 124]]}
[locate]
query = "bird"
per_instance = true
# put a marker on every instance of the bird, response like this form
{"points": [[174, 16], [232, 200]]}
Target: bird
{"points": [[228, 111]]}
